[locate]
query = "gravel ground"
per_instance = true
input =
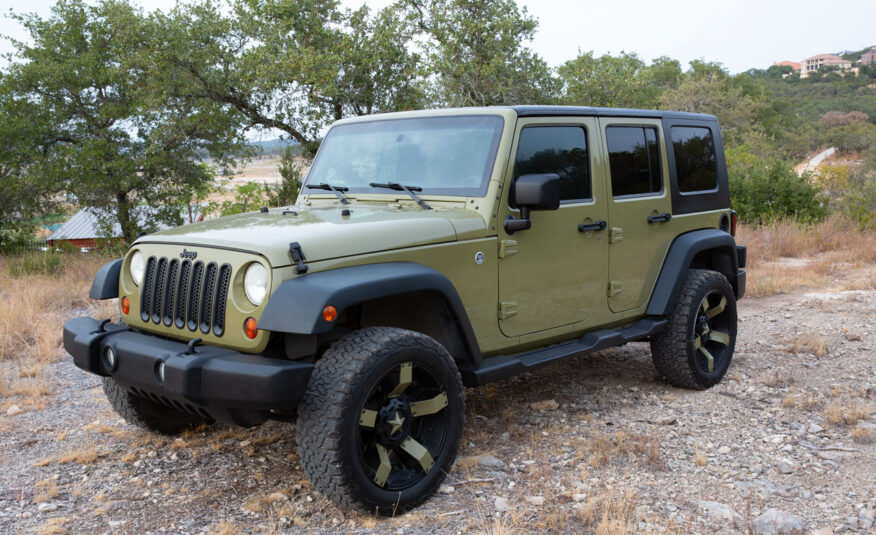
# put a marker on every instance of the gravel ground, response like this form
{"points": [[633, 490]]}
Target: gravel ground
{"points": [[597, 439]]}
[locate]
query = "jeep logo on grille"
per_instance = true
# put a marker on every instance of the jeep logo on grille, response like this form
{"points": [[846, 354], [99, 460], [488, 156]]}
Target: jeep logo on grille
{"points": [[188, 254]]}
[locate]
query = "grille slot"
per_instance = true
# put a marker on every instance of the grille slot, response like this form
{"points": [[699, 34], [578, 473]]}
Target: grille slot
{"points": [[184, 294]]}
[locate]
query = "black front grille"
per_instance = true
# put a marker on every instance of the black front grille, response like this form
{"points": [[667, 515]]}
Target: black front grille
{"points": [[185, 294]]}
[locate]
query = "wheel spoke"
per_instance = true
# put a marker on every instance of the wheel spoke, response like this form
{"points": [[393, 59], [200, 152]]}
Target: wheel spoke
{"points": [[385, 466], [709, 358], [705, 304], [368, 418], [418, 452], [405, 378], [712, 312], [429, 406], [721, 338]]}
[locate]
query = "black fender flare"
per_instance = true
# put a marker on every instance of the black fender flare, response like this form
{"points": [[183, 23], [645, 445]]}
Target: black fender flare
{"points": [[106, 283], [681, 253], [296, 306]]}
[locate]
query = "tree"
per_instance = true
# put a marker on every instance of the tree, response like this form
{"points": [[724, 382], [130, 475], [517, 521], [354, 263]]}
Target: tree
{"points": [[665, 72], [702, 93], [622, 81], [113, 144], [476, 53], [289, 65]]}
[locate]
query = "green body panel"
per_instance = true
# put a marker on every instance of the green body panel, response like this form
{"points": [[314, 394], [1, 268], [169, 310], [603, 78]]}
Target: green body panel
{"points": [[637, 247], [548, 284], [557, 275]]}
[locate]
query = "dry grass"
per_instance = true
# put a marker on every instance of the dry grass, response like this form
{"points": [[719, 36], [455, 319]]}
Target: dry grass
{"points": [[845, 414], [863, 435], [225, 528], [832, 246], [601, 450], [812, 343], [45, 490], [32, 311], [54, 526], [86, 455], [611, 513]]}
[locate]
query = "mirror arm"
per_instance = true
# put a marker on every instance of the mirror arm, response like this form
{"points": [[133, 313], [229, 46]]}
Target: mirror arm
{"points": [[512, 224]]}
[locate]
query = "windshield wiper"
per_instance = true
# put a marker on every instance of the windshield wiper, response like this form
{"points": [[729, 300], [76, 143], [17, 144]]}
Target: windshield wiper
{"points": [[407, 189], [337, 190]]}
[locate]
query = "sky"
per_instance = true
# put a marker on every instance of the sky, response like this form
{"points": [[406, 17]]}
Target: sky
{"points": [[741, 34]]}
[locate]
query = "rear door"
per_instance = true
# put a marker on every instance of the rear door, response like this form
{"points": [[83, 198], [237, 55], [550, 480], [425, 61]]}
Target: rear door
{"points": [[639, 209]]}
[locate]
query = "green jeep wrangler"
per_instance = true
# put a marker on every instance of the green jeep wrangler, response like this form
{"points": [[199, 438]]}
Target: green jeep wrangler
{"points": [[428, 251]]}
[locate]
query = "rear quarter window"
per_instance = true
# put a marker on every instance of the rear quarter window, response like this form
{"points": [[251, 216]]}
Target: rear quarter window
{"points": [[695, 161]]}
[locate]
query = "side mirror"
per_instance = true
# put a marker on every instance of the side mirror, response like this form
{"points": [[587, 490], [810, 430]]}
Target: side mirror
{"points": [[533, 192]]}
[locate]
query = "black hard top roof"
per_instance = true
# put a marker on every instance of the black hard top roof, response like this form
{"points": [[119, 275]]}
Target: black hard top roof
{"points": [[553, 111]]}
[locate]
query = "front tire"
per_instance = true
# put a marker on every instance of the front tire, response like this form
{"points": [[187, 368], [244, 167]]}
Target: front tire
{"points": [[381, 420], [147, 414], [696, 348]]}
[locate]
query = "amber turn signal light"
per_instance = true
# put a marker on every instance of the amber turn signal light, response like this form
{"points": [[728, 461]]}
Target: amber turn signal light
{"points": [[330, 313], [126, 305], [250, 328]]}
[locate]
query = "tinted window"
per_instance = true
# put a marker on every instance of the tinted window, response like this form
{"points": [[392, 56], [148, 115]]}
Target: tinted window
{"points": [[556, 149], [695, 162], [634, 160]]}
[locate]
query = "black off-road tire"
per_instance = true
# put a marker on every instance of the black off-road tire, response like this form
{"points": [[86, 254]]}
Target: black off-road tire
{"points": [[147, 414], [675, 351], [345, 381]]}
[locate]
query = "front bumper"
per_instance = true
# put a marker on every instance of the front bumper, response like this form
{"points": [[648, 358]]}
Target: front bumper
{"points": [[215, 382]]}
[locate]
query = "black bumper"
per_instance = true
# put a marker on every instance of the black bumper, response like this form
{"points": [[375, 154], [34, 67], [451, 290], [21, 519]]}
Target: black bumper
{"points": [[220, 383], [741, 259]]}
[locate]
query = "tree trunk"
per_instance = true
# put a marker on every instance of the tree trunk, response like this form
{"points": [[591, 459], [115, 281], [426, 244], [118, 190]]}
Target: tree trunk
{"points": [[129, 229]]}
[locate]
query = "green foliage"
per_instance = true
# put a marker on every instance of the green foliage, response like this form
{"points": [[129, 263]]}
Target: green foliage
{"points": [[766, 190], [621, 82], [291, 173], [36, 264], [476, 52]]}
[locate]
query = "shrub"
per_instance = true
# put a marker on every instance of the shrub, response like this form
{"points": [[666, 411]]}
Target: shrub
{"points": [[768, 190], [36, 264]]}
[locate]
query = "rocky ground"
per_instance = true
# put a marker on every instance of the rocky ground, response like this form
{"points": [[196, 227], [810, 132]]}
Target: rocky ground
{"points": [[595, 443]]}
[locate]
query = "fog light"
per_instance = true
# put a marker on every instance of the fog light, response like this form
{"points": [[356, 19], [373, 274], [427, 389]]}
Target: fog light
{"points": [[109, 358], [159, 371]]}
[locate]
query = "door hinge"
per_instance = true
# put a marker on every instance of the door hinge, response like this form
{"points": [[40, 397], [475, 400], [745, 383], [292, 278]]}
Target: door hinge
{"points": [[507, 248], [614, 288], [616, 235], [507, 309]]}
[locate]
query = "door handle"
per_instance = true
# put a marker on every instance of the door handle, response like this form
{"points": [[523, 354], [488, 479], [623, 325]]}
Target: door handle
{"points": [[662, 218], [587, 227]]}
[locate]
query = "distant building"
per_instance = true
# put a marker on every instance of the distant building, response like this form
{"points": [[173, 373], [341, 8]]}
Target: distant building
{"points": [[84, 230], [811, 65], [868, 57], [792, 64]]}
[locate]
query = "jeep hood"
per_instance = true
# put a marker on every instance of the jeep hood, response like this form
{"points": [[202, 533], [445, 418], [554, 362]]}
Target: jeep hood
{"points": [[324, 233]]}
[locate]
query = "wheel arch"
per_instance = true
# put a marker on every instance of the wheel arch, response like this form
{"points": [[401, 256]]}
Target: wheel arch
{"points": [[710, 249], [394, 294]]}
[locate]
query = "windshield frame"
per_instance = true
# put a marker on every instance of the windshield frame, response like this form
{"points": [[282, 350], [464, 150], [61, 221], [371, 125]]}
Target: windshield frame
{"points": [[411, 181]]}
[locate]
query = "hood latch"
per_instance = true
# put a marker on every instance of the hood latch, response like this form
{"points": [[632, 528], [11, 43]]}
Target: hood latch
{"points": [[298, 257]]}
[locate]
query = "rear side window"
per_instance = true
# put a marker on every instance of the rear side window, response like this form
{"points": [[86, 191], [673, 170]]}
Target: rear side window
{"points": [[634, 160], [556, 149], [695, 162]]}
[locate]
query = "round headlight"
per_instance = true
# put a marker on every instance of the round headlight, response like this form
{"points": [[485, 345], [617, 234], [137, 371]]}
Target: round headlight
{"points": [[255, 282], [138, 267]]}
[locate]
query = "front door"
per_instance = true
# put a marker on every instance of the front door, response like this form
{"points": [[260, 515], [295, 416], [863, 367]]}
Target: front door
{"points": [[552, 274], [639, 220]]}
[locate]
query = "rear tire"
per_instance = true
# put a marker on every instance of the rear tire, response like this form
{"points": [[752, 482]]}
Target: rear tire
{"points": [[696, 348], [147, 414], [381, 420]]}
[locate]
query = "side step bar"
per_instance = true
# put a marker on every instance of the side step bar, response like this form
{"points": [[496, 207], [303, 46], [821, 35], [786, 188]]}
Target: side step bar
{"points": [[502, 366]]}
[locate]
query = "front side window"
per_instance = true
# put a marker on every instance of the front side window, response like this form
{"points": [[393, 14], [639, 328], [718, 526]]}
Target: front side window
{"points": [[442, 155], [633, 160], [556, 149], [695, 163]]}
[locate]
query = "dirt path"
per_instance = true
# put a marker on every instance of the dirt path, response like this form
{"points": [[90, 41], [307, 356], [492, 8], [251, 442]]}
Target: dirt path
{"points": [[596, 439]]}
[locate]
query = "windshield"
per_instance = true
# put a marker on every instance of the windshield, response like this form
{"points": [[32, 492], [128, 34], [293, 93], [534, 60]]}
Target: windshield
{"points": [[441, 155]]}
